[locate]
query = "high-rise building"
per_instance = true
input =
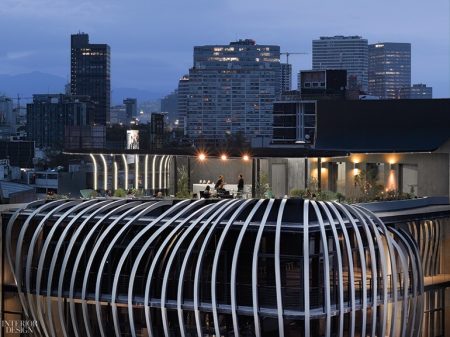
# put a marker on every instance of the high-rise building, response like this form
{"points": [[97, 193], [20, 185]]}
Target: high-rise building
{"points": [[286, 77], [389, 69], [7, 118], [90, 74], [416, 91], [157, 130], [342, 52], [231, 90], [169, 104], [182, 102], [50, 114], [118, 115], [131, 108]]}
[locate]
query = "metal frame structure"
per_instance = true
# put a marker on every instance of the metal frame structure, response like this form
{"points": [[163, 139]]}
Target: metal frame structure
{"points": [[228, 267]]}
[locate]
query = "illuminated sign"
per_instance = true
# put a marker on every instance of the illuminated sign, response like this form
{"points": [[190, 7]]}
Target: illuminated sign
{"points": [[132, 139]]}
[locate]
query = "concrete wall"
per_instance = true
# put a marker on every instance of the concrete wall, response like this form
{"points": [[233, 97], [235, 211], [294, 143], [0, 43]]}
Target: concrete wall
{"points": [[433, 170], [72, 182], [296, 173], [210, 169], [445, 149]]}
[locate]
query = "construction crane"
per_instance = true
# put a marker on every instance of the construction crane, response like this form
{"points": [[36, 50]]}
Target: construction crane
{"points": [[18, 98], [292, 53]]}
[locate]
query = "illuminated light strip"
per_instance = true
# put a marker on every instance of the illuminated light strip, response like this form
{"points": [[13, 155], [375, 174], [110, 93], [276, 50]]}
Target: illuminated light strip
{"points": [[126, 171], [95, 171], [166, 169], [146, 172], [105, 173], [136, 172], [160, 171], [115, 176], [153, 173]]}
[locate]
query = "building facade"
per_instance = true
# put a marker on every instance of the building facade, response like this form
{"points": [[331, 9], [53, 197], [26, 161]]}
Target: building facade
{"points": [[169, 105], [417, 91], [50, 114], [183, 102], [157, 127], [7, 118], [90, 74], [286, 77], [130, 107], [343, 52], [294, 115], [231, 90], [119, 115], [389, 69]]}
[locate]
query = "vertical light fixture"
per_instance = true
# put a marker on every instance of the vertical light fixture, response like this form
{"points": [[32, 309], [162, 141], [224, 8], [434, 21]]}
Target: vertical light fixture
{"points": [[105, 172], [160, 171], [153, 172], [126, 171], [146, 172], [168, 172], [115, 175], [166, 166], [136, 171], [95, 171]]}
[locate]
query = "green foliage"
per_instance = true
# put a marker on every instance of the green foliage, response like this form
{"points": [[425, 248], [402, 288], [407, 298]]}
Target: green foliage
{"points": [[94, 194], [369, 190], [183, 183], [120, 193], [297, 193], [315, 195], [55, 196], [137, 192], [326, 196], [340, 197], [312, 192], [393, 195], [263, 189], [366, 183]]}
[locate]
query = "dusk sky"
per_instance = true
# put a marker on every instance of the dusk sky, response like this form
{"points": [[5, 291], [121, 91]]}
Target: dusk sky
{"points": [[152, 41]]}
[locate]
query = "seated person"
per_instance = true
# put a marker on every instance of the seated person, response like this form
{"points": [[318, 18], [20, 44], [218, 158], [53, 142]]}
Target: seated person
{"points": [[207, 192], [219, 183]]}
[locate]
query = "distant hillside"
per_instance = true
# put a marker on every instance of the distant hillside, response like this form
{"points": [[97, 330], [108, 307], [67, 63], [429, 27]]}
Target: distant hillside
{"points": [[40, 83], [31, 83]]}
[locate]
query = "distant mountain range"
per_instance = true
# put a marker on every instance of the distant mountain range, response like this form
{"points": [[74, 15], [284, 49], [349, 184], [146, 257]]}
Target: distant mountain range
{"points": [[40, 83]]}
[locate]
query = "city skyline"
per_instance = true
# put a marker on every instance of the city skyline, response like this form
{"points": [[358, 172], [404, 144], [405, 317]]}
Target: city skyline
{"points": [[149, 50]]}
